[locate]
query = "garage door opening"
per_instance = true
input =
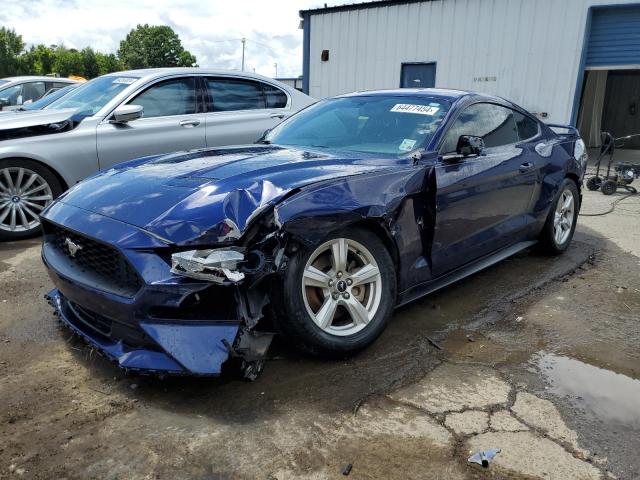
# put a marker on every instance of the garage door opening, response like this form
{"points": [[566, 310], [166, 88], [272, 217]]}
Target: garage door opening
{"points": [[611, 103]]}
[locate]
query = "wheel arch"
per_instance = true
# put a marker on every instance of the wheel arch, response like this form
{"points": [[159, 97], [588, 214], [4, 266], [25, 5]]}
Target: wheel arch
{"points": [[63, 182]]}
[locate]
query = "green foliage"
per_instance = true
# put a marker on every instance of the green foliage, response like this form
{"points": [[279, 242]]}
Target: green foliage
{"points": [[11, 46], [145, 46], [148, 46]]}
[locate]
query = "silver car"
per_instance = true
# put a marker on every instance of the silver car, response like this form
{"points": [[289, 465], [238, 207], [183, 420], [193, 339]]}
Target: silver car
{"points": [[18, 91], [127, 115]]}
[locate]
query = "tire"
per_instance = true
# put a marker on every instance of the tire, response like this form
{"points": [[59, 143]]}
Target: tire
{"points": [[594, 183], [563, 216], [26, 189], [609, 187], [306, 291]]}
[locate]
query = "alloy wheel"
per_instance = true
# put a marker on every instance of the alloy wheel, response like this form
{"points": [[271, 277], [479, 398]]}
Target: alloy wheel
{"points": [[563, 218], [341, 287], [23, 195]]}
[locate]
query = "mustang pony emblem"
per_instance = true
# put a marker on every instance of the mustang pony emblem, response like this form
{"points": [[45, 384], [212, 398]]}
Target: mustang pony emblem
{"points": [[73, 248]]}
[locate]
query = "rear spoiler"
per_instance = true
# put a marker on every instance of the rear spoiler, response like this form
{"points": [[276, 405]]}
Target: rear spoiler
{"points": [[569, 131]]}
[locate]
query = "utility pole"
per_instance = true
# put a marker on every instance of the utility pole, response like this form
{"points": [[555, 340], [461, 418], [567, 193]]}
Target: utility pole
{"points": [[276, 65], [243, 40]]}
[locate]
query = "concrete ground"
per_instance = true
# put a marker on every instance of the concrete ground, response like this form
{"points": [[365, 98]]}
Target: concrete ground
{"points": [[539, 358]]}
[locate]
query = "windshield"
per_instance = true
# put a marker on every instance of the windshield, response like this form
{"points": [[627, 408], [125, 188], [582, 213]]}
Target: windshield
{"points": [[391, 125], [49, 98], [93, 95]]}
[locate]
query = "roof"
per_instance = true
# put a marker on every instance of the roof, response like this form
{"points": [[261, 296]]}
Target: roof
{"points": [[412, 92], [36, 78], [159, 72], [360, 6]]}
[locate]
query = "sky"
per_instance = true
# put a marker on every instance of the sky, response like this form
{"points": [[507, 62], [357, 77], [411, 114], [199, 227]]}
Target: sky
{"points": [[209, 29]]}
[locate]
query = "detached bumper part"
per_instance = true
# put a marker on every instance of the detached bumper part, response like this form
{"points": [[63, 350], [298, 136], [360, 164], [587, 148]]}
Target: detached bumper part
{"points": [[191, 349], [213, 265]]}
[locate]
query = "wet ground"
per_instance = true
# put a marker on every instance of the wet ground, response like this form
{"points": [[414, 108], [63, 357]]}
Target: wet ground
{"points": [[539, 357]]}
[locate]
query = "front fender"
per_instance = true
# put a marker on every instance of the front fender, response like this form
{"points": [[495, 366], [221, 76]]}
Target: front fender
{"points": [[395, 201]]}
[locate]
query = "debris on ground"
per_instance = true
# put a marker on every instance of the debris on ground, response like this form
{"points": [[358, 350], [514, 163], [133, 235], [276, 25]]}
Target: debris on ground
{"points": [[347, 469], [483, 457]]}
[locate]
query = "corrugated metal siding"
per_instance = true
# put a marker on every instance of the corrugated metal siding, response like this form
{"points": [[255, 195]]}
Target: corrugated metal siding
{"points": [[614, 38], [531, 47]]}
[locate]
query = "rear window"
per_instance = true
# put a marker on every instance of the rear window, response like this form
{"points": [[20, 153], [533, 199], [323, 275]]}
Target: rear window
{"points": [[527, 127], [231, 94], [276, 98]]}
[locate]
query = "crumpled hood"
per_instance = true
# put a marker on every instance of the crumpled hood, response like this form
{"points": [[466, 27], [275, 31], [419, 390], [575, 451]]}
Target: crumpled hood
{"points": [[34, 118], [210, 196]]}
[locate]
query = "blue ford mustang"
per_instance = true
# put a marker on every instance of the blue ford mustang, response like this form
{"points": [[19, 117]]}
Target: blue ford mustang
{"points": [[184, 262]]}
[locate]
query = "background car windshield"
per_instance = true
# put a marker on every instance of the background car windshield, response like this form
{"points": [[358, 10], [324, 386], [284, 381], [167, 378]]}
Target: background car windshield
{"points": [[48, 99], [92, 96], [385, 125]]}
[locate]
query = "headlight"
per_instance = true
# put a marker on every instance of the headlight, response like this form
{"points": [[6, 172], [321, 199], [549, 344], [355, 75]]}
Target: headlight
{"points": [[213, 265], [580, 152]]}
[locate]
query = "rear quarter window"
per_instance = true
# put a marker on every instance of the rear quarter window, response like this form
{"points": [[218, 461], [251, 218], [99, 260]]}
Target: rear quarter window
{"points": [[527, 126]]}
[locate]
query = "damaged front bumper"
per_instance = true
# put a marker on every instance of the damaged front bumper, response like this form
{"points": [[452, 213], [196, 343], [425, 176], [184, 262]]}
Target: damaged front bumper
{"points": [[115, 288]]}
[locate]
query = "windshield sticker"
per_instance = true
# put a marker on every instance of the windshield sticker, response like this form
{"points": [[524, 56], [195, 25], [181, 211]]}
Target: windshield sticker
{"points": [[419, 109], [125, 80], [407, 145]]}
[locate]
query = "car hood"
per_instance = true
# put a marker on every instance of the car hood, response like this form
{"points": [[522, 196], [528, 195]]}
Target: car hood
{"points": [[210, 196], [23, 119]]}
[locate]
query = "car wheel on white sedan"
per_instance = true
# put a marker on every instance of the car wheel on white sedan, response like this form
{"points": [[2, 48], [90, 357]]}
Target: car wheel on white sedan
{"points": [[339, 294], [26, 189]]}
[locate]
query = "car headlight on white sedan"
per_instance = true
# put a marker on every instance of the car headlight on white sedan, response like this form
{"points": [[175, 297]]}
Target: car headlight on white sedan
{"points": [[215, 265]]}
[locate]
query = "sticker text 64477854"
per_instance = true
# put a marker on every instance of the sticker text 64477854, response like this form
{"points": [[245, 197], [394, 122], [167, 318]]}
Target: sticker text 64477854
{"points": [[419, 109]]}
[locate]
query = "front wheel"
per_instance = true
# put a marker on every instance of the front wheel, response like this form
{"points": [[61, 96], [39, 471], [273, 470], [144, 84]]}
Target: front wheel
{"points": [[339, 294], [26, 189], [558, 230]]}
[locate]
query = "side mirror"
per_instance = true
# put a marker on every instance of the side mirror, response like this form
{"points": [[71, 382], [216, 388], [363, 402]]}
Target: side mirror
{"points": [[4, 102], [127, 113], [469, 145]]}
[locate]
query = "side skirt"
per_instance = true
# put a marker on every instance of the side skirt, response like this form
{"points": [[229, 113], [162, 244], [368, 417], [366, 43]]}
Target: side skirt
{"points": [[426, 288]]}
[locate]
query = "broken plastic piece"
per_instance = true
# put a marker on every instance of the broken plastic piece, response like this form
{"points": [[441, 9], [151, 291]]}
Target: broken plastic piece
{"points": [[213, 265], [347, 469], [484, 456]]}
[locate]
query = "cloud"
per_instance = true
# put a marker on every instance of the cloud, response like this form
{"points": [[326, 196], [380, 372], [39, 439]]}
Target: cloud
{"points": [[211, 30]]}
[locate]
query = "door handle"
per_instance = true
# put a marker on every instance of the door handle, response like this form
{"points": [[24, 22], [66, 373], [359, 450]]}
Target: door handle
{"points": [[278, 115], [525, 167], [189, 123]]}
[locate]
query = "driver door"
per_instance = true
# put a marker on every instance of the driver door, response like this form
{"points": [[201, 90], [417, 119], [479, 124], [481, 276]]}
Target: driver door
{"points": [[172, 121], [481, 201]]}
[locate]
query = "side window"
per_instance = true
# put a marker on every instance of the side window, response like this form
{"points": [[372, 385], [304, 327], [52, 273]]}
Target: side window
{"points": [[32, 91], [12, 96], [171, 97], [275, 97], [494, 124], [527, 126], [227, 94]]}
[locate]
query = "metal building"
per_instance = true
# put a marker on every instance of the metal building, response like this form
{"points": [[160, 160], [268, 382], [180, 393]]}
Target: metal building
{"points": [[569, 61]]}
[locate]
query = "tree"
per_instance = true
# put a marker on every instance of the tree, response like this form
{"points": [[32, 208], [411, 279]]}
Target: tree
{"points": [[11, 46], [68, 62], [90, 61], [108, 63], [38, 60], [154, 46]]}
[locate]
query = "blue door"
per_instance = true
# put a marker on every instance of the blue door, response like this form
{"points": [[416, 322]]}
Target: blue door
{"points": [[418, 75]]}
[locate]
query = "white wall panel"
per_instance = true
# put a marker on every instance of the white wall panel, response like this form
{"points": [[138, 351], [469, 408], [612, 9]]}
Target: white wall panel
{"points": [[532, 47]]}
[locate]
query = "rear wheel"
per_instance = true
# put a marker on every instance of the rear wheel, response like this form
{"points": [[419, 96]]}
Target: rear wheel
{"points": [[561, 221], [26, 189], [339, 294]]}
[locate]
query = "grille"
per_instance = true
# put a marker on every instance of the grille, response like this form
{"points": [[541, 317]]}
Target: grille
{"points": [[104, 265]]}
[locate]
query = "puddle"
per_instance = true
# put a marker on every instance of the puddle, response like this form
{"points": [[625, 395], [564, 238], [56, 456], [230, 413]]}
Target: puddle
{"points": [[607, 395]]}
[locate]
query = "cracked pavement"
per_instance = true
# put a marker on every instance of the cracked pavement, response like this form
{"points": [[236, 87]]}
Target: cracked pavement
{"points": [[539, 358]]}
